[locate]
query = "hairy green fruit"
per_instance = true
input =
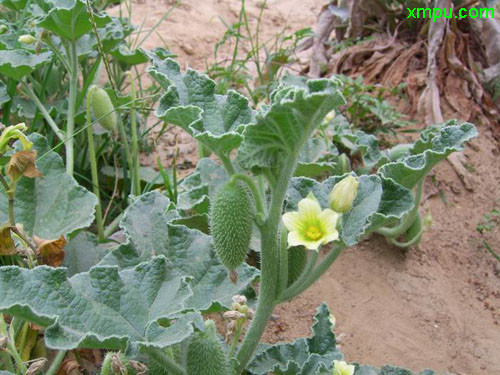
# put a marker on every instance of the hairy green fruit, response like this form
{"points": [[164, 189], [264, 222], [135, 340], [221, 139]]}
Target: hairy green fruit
{"points": [[297, 259], [205, 355], [231, 224], [103, 108]]}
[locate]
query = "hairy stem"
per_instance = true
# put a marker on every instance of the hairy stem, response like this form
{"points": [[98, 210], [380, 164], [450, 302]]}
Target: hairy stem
{"points": [[95, 175], [162, 359], [311, 276], [10, 195], [259, 205], [283, 278], [269, 266]]}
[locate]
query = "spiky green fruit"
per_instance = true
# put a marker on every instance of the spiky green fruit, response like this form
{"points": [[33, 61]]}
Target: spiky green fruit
{"points": [[103, 108], [205, 355], [231, 224], [297, 259]]}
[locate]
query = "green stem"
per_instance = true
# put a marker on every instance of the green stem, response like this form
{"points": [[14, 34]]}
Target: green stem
{"points": [[162, 359], [226, 161], [269, 266], [95, 175], [110, 229], [56, 363], [236, 338], [43, 111], [11, 347], [135, 144], [73, 93], [310, 277], [407, 221], [283, 278], [128, 155], [415, 240], [255, 191]]}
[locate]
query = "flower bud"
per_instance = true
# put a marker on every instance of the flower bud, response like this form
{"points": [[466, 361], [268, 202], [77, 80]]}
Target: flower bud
{"points": [[27, 39], [343, 194], [235, 306], [427, 221], [3, 29], [242, 300], [332, 320], [342, 368], [330, 116]]}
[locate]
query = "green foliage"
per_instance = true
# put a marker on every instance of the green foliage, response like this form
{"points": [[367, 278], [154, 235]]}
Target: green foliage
{"points": [[205, 355], [103, 308], [54, 205], [304, 356], [231, 224]]}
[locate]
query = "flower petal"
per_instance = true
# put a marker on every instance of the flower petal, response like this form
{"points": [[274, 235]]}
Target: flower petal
{"points": [[309, 209], [295, 239], [292, 221], [330, 237], [328, 219]]}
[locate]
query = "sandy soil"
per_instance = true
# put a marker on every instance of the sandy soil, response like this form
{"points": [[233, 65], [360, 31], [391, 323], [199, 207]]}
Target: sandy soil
{"points": [[436, 306]]}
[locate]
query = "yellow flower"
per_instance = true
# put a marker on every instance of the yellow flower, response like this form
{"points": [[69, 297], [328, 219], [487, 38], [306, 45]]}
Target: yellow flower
{"points": [[342, 368], [343, 194], [27, 39], [311, 226], [14, 132]]}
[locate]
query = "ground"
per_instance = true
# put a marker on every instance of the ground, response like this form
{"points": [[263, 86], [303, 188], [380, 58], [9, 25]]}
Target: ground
{"points": [[434, 306]]}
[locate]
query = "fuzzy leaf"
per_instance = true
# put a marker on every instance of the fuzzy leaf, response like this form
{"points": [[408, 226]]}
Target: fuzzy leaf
{"points": [[17, 63], [191, 103], [304, 356], [190, 250], [51, 206], [70, 20], [379, 202], [435, 144], [103, 308], [282, 129], [82, 253]]}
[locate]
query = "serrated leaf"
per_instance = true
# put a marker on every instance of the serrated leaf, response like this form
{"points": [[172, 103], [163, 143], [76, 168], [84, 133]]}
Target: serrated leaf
{"points": [[17, 63], [53, 205], [70, 20], [379, 202], [304, 356], [103, 308], [83, 252], [282, 129], [435, 144], [190, 250], [191, 103]]}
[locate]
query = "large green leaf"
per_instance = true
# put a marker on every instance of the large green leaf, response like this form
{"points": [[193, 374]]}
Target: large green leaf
{"points": [[69, 19], [53, 205], [304, 356], [83, 252], [189, 250], [379, 202], [435, 144], [102, 308], [281, 130], [17, 63], [191, 103]]}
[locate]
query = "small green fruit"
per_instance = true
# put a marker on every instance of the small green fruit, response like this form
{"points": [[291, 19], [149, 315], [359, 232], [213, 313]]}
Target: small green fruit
{"points": [[205, 355], [231, 224], [297, 259], [103, 108]]}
